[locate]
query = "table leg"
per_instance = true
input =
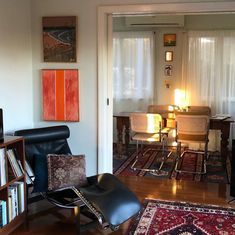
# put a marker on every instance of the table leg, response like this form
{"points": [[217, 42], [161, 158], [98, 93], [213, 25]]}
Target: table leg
{"points": [[225, 131], [127, 133], [120, 127]]}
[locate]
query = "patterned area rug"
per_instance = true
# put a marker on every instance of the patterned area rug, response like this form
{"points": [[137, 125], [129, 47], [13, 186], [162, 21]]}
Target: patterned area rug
{"points": [[191, 161], [177, 218]]}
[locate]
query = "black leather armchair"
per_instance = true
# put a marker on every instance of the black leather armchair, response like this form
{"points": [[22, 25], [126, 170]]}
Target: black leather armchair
{"points": [[105, 198]]}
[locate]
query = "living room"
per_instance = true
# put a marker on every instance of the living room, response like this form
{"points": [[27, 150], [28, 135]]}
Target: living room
{"points": [[21, 64]]}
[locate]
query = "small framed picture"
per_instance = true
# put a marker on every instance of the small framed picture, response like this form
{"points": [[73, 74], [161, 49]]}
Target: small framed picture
{"points": [[59, 38], [169, 40], [168, 56], [168, 70]]}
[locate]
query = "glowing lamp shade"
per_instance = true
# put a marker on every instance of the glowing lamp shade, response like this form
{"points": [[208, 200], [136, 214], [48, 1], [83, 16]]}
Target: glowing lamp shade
{"points": [[180, 98]]}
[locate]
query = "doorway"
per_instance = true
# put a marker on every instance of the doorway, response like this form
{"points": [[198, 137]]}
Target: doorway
{"points": [[105, 28]]}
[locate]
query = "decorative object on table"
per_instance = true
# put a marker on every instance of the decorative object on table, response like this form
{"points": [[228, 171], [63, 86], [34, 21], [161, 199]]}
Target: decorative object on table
{"points": [[167, 83], [169, 217], [169, 56], [168, 70], [60, 89], [59, 39], [169, 40], [216, 173]]}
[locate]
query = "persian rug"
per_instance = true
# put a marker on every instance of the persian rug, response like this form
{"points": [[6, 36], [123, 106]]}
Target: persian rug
{"points": [[180, 218], [191, 161]]}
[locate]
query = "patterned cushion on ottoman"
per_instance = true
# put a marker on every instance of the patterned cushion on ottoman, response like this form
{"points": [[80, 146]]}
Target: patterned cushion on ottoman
{"points": [[66, 170]]}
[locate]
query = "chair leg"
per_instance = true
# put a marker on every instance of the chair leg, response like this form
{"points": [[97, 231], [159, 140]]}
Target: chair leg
{"points": [[137, 157], [156, 172], [76, 212], [191, 172]]}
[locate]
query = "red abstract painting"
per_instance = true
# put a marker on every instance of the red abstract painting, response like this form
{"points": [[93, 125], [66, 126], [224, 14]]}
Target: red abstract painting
{"points": [[60, 89]]}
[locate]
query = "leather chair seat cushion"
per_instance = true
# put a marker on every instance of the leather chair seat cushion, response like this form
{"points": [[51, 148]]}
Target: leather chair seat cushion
{"points": [[107, 194], [66, 170]]}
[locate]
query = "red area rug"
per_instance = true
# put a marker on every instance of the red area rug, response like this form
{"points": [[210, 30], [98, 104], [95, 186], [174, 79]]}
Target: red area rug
{"points": [[191, 161], [177, 218]]}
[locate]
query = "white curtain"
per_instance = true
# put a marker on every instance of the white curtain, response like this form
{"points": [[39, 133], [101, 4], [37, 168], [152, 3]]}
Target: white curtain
{"points": [[133, 70], [209, 69]]}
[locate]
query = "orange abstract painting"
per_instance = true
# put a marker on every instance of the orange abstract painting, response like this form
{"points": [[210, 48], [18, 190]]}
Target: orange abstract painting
{"points": [[60, 94]]}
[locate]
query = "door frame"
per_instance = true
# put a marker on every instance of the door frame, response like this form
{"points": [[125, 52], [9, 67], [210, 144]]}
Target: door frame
{"points": [[105, 81]]}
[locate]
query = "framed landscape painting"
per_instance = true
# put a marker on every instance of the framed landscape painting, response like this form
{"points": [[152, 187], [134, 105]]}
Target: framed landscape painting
{"points": [[60, 94], [59, 39], [169, 40]]}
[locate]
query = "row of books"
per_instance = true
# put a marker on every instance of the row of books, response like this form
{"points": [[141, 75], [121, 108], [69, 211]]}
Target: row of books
{"points": [[17, 167], [16, 203], [2, 167]]}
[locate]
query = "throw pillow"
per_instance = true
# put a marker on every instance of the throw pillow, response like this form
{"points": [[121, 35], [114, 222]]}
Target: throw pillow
{"points": [[40, 183], [66, 170]]}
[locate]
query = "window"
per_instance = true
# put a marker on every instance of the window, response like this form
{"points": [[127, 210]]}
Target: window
{"points": [[210, 69], [133, 75]]}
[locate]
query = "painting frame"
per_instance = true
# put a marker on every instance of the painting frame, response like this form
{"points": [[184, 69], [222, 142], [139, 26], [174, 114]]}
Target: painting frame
{"points": [[169, 56], [60, 95], [168, 70], [59, 39], [169, 39]]}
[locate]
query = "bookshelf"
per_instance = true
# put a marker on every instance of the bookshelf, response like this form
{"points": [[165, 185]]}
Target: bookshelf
{"points": [[12, 185]]}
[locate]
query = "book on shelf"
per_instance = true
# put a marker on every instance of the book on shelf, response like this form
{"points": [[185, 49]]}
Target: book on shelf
{"points": [[12, 191], [28, 172], [1, 222], [3, 214], [9, 199], [16, 203], [2, 167], [14, 164], [20, 195]]}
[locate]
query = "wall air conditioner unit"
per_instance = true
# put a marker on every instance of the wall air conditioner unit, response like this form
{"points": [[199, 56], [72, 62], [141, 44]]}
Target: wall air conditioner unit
{"points": [[155, 21]]}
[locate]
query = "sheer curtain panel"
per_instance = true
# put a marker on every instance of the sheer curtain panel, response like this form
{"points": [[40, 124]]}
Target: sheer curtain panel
{"points": [[209, 69], [133, 70]]}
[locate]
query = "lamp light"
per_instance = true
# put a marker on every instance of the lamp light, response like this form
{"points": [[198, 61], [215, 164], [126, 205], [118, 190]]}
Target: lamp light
{"points": [[181, 99]]}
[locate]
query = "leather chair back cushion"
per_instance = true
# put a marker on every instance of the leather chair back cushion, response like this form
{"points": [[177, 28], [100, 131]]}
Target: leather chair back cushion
{"points": [[45, 140], [66, 170]]}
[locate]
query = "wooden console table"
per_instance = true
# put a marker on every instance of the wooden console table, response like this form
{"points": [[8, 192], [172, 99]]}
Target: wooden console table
{"points": [[123, 126]]}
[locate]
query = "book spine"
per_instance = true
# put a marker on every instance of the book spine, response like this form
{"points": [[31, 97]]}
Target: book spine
{"points": [[20, 196], [14, 201], [2, 167], [4, 213], [16, 168], [9, 207], [1, 222]]}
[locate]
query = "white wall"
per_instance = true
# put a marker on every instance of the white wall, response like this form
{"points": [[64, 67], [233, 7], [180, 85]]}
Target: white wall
{"points": [[84, 133], [20, 65], [15, 64]]}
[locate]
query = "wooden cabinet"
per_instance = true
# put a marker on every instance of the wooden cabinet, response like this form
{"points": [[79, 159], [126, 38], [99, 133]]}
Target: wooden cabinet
{"points": [[13, 188]]}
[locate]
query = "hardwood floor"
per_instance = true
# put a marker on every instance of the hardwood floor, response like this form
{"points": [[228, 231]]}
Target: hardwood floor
{"points": [[42, 220]]}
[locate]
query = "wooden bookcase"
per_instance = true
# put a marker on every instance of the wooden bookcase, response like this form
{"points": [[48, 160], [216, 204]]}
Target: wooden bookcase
{"points": [[16, 143]]}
